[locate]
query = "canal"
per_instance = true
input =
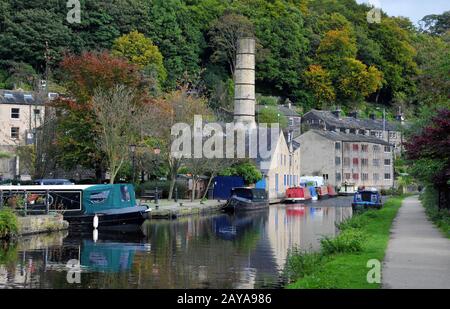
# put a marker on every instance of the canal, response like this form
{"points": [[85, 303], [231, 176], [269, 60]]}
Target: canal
{"points": [[211, 251]]}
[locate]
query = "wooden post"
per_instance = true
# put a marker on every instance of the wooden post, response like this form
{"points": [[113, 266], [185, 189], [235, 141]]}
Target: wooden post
{"points": [[47, 205], [26, 203]]}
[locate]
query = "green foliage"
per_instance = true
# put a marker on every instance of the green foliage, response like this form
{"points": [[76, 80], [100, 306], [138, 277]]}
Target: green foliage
{"points": [[247, 170], [270, 115], [301, 263], [8, 223], [440, 217], [349, 240], [267, 100]]}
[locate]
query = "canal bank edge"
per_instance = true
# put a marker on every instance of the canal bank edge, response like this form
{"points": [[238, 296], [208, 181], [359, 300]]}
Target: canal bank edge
{"points": [[348, 270]]}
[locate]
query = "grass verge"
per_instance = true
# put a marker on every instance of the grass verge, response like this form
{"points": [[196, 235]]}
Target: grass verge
{"points": [[441, 218], [342, 262]]}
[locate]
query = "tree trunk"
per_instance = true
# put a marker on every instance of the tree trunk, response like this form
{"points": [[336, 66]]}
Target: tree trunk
{"points": [[209, 184], [193, 188], [173, 178], [98, 174]]}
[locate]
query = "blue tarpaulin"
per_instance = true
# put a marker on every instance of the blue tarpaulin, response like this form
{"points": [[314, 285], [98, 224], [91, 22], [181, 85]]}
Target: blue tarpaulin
{"points": [[224, 184]]}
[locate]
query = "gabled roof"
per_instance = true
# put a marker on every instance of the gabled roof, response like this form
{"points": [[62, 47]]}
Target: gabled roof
{"points": [[345, 137], [351, 122]]}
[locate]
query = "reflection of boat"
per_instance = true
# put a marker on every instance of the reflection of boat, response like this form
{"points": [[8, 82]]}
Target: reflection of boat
{"points": [[113, 204], [367, 198], [244, 199], [230, 227], [296, 194], [295, 210]]}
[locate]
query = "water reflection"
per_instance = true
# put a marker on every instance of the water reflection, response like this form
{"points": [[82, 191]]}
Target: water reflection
{"points": [[216, 251]]}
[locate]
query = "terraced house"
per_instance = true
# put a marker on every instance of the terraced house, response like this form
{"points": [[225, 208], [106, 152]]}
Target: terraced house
{"points": [[347, 158], [388, 131]]}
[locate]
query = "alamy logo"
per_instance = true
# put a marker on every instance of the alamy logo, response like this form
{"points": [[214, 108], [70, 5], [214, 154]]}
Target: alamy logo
{"points": [[74, 14], [374, 274], [74, 272], [374, 15]]}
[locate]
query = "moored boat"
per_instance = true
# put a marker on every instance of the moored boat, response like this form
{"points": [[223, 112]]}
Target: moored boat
{"points": [[331, 191], [348, 189], [113, 204], [246, 199], [313, 192], [297, 194], [367, 198], [322, 192]]}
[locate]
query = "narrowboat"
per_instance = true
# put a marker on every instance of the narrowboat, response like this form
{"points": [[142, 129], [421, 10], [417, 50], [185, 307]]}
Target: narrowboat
{"points": [[348, 189], [367, 198], [113, 204], [313, 192], [322, 192], [297, 194], [245, 199], [331, 191]]}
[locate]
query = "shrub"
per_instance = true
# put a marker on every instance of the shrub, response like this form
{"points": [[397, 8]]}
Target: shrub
{"points": [[8, 223], [301, 263], [355, 222], [349, 240], [267, 100]]}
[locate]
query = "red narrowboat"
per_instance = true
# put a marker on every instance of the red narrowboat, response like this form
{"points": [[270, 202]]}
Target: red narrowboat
{"points": [[331, 191], [296, 194]]}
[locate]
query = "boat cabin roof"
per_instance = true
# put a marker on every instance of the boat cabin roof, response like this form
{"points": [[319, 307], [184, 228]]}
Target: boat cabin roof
{"points": [[44, 187]]}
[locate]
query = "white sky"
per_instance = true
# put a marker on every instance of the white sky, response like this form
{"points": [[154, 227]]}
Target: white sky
{"points": [[414, 9]]}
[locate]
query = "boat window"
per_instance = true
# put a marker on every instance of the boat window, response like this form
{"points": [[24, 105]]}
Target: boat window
{"points": [[99, 197], [125, 194], [243, 193]]}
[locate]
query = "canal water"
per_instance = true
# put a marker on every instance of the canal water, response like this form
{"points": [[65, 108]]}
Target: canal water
{"points": [[211, 251]]}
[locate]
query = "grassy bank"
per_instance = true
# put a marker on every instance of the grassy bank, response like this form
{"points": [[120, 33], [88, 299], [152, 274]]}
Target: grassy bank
{"points": [[342, 262], [441, 218], [8, 224]]}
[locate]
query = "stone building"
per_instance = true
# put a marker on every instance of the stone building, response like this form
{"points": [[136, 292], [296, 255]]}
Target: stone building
{"points": [[347, 158], [20, 114], [334, 121]]}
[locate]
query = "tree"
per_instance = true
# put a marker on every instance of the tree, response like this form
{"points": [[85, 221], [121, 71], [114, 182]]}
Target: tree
{"points": [[119, 119], [318, 80], [224, 35], [436, 24], [247, 170], [140, 51], [77, 128], [336, 46]]}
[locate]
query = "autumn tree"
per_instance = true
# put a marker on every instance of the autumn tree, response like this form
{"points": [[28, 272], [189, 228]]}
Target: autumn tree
{"points": [[318, 80]]}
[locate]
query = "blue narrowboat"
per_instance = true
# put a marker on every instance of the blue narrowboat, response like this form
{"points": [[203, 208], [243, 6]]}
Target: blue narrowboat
{"points": [[367, 198], [113, 204]]}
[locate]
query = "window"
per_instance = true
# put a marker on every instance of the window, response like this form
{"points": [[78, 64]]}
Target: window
{"points": [[387, 162], [285, 180], [364, 162], [37, 111], [376, 162], [276, 182], [99, 197], [355, 147], [376, 177], [291, 121], [364, 176], [325, 176], [337, 146], [355, 161], [355, 176], [15, 113], [124, 194], [347, 147], [338, 160], [353, 131], [347, 176], [387, 176], [387, 148], [372, 133], [376, 148], [347, 162], [343, 130], [338, 177], [15, 132], [364, 148]]}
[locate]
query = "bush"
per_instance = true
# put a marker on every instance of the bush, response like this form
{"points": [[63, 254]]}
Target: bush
{"points": [[392, 191], [301, 263], [267, 100], [349, 240], [8, 223], [163, 185], [440, 217]]}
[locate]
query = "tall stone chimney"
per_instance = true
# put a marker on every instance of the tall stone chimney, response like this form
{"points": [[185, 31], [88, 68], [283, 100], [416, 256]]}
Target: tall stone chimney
{"points": [[244, 83]]}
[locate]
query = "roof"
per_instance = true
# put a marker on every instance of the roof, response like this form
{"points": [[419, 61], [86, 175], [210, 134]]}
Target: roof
{"points": [[19, 97], [289, 112], [351, 122], [346, 137], [44, 188]]}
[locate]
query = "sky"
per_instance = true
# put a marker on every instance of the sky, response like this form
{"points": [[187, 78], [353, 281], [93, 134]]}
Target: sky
{"points": [[414, 9]]}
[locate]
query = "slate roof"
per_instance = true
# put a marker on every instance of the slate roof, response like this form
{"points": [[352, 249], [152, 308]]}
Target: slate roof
{"points": [[351, 122], [18, 97], [345, 137]]}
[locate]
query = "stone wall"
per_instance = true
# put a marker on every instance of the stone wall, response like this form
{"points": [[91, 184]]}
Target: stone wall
{"points": [[41, 224]]}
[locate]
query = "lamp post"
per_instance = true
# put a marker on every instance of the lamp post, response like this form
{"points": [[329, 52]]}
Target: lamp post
{"points": [[133, 158]]}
